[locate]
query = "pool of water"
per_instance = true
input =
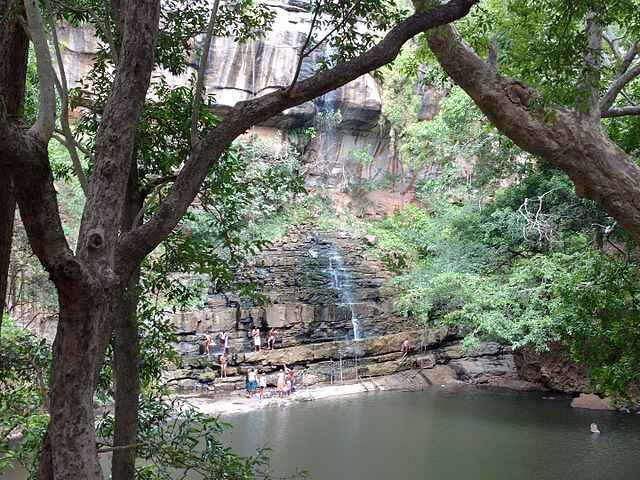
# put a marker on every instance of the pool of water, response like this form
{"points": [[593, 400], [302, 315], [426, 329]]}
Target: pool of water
{"points": [[440, 434], [435, 435]]}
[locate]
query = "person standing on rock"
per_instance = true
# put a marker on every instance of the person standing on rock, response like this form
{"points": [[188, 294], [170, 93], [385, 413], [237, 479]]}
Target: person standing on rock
{"points": [[207, 343], [262, 383], [223, 365], [406, 348], [271, 340], [224, 341], [252, 382], [257, 342], [280, 384]]}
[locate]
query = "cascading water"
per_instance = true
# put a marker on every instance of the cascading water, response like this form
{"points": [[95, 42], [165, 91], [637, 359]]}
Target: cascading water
{"points": [[342, 282]]}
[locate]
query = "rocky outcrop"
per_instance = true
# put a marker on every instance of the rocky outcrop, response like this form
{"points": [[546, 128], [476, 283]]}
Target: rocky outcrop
{"points": [[555, 369], [436, 357]]}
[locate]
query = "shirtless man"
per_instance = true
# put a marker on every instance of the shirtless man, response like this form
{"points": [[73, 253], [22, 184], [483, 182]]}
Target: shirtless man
{"points": [[223, 365], [406, 347], [271, 340], [207, 343]]}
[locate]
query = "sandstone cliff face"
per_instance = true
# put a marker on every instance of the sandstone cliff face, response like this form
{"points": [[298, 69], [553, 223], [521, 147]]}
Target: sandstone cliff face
{"points": [[242, 71]]}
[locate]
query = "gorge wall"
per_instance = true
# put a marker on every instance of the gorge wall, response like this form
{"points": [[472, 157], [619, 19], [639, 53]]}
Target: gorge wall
{"points": [[346, 119]]}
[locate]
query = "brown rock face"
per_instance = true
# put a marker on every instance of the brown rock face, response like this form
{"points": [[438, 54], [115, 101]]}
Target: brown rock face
{"points": [[554, 369]]}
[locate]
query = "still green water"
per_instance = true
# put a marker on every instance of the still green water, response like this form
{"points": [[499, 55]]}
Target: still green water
{"points": [[434, 435]]}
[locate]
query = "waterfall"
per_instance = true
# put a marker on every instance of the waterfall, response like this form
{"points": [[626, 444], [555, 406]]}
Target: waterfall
{"points": [[342, 281]]}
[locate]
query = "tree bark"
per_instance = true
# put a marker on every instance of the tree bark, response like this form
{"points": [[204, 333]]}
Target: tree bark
{"points": [[126, 354], [126, 358], [76, 353], [572, 141], [13, 70], [7, 213]]}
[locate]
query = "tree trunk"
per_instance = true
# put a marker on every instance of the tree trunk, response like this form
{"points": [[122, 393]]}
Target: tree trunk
{"points": [[13, 69], [77, 351], [127, 384], [7, 213], [126, 354]]}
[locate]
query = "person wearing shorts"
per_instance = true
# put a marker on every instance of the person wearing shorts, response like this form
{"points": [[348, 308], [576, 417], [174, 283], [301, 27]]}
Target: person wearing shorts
{"points": [[271, 340], [252, 382], [280, 384], [223, 365], [262, 382], [257, 342]]}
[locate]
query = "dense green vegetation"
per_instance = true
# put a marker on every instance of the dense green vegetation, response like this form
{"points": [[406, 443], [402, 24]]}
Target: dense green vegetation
{"points": [[512, 253], [496, 242]]}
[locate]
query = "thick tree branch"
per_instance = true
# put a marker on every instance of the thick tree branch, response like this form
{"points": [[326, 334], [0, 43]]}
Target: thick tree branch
{"points": [[43, 128], [23, 156], [593, 64], [572, 141], [63, 92], [115, 137], [139, 242], [202, 70]]}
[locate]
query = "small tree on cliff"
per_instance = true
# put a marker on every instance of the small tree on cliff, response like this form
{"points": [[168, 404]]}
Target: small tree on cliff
{"points": [[93, 280]]}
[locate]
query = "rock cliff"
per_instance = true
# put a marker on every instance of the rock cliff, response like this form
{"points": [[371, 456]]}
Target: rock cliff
{"points": [[336, 323], [242, 71]]}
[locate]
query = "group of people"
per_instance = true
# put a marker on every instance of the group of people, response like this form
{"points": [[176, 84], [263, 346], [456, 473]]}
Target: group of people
{"points": [[223, 338], [256, 381], [257, 339]]}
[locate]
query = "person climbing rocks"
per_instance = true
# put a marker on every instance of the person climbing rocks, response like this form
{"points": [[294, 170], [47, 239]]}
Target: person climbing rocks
{"points": [[406, 348], [271, 340], [223, 365], [224, 341], [207, 343], [262, 383], [255, 334]]}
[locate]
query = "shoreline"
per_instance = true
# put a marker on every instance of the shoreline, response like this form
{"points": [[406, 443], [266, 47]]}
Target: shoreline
{"points": [[238, 403]]}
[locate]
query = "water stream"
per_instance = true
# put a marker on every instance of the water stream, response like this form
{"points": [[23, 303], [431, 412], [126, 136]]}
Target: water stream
{"points": [[342, 281]]}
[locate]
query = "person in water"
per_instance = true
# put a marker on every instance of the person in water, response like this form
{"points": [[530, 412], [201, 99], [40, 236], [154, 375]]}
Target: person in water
{"points": [[257, 342], [207, 343], [262, 382], [271, 340]]}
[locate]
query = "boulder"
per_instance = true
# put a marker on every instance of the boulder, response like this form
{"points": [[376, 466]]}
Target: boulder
{"points": [[591, 401]]}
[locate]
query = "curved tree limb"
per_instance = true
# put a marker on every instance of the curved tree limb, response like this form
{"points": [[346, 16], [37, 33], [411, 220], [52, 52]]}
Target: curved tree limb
{"points": [[618, 84], [45, 123], [63, 92], [570, 140]]}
